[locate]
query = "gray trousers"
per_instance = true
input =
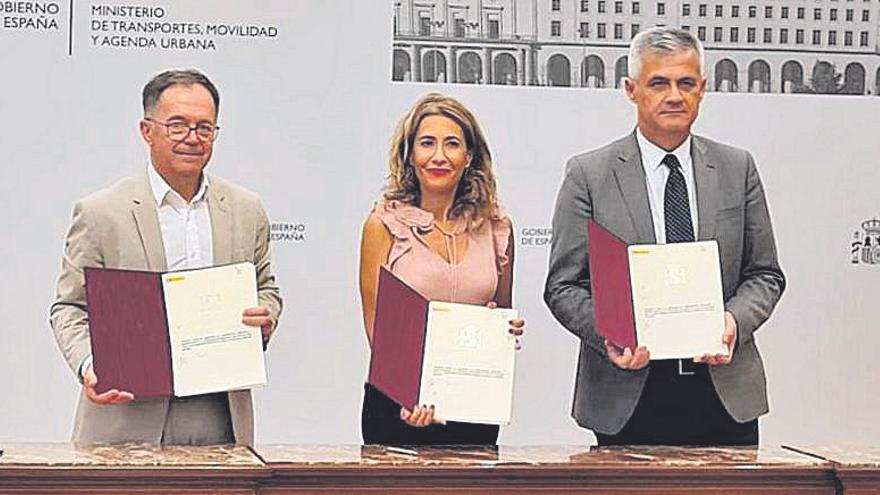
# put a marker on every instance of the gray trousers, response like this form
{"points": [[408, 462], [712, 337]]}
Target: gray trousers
{"points": [[198, 420]]}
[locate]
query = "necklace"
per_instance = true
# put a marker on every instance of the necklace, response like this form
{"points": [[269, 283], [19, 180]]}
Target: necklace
{"points": [[456, 228]]}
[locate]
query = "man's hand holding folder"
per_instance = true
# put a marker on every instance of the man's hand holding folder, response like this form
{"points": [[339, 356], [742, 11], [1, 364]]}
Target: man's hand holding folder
{"points": [[658, 301], [110, 397], [729, 340], [626, 358], [629, 360], [255, 317]]}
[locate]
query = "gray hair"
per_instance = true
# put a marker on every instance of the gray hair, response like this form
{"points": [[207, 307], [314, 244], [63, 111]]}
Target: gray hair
{"points": [[157, 85], [661, 40]]}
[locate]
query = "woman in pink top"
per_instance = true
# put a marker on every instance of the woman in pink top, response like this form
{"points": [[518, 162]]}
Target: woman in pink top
{"points": [[440, 229]]}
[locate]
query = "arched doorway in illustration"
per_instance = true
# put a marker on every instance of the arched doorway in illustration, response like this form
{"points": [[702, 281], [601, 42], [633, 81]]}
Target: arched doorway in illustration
{"points": [[759, 77], [621, 70], [434, 66], [593, 72], [504, 70], [877, 82], [558, 71], [470, 68], [792, 76], [726, 76], [854, 79], [825, 79], [401, 68]]}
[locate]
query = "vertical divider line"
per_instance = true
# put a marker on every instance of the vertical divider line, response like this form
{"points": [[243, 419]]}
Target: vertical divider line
{"points": [[70, 28]]}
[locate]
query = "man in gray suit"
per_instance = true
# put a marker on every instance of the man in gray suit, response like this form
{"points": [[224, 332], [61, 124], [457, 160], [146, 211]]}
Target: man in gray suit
{"points": [[170, 216], [663, 184]]}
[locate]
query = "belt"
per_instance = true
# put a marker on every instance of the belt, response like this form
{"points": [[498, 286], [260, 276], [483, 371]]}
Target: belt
{"points": [[679, 367]]}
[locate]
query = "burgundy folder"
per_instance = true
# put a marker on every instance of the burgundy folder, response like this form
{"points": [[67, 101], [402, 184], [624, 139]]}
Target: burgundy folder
{"points": [[610, 282], [398, 340], [129, 331]]}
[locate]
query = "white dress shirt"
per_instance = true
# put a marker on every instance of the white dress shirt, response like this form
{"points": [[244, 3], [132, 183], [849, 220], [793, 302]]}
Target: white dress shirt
{"points": [[656, 174], [186, 229]]}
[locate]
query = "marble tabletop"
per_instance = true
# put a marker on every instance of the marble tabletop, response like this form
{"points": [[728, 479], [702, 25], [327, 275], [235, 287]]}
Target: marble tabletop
{"points": [[563, 455], [125, 455], [858, 457], [573, 456]]}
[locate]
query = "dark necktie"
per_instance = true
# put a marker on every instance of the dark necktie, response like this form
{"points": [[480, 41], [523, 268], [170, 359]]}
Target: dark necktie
{"points": [[676, 207]]}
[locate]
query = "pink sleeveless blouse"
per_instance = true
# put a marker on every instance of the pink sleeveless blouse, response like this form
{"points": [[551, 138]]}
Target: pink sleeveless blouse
{"points": [[473, 279]]}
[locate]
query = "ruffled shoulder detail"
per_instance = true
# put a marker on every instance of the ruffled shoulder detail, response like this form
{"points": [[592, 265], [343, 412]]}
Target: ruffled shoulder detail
{"points": [[501, 230], [400, 219], [396, 215]]}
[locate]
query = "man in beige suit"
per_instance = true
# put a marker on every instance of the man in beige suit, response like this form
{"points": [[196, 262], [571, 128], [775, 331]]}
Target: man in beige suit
{"points": [[170, 216]]}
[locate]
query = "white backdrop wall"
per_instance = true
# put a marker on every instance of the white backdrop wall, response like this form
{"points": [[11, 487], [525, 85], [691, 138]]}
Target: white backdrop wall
{"points": [[307, 116]]}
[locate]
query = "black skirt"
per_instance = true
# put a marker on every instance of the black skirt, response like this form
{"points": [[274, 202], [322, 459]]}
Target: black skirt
{"points": [[381, 424]]}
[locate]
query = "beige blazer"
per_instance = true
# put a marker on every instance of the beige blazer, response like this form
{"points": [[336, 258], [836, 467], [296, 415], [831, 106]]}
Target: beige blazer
{"points": [[118, 227], [608, 185]]}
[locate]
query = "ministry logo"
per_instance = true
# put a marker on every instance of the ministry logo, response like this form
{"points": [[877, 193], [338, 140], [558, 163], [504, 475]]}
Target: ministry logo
{"points": [[865, 248]]}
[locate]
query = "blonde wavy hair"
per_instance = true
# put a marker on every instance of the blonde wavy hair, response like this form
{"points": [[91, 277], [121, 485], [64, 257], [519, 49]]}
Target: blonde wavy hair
{"points": [[476, 193]]}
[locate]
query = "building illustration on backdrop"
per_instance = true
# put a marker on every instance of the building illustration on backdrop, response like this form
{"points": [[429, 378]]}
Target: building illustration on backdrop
{"points": [[762, 46]]}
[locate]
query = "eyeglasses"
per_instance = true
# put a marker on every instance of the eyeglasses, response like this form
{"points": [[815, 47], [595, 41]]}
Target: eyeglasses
{"points": [[178, 131]]}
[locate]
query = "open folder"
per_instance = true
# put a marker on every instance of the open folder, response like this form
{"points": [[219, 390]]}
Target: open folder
{"points": [[458, 357], [666, 297], [174, 333]]}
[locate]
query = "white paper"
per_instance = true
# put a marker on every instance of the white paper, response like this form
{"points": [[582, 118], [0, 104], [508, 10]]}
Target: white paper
{"points": [[677, 299], [211, 349], [468, 363]]}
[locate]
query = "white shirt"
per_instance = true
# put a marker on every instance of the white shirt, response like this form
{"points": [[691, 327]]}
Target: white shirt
{"points": [[656, 174], [186, 229]]}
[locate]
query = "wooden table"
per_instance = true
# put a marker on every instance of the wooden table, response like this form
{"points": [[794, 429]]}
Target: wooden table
{"points": [[557, 469], [279, 469]]}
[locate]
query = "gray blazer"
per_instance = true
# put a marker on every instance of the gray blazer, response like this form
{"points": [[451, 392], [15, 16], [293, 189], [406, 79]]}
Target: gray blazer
{"points": [[608, 184], [118, 227]]}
